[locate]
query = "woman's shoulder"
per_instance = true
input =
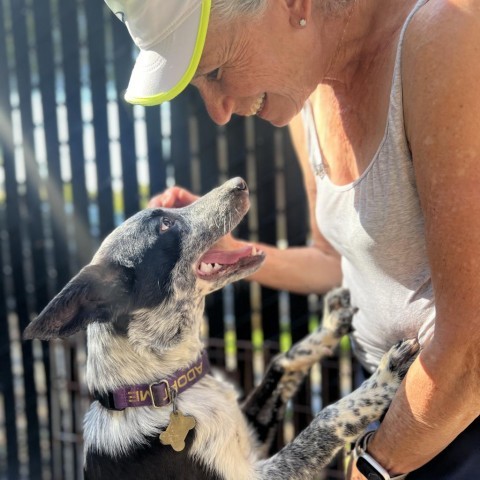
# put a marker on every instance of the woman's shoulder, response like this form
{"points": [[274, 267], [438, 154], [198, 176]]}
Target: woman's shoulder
{"points": [[441, 64], [440, 23]]}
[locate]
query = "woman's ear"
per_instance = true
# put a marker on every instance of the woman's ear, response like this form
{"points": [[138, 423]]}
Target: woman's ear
{"points": [[300, 12]]}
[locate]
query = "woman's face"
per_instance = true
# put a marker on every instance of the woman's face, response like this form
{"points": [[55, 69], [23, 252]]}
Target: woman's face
{"points": [[255, 68]]}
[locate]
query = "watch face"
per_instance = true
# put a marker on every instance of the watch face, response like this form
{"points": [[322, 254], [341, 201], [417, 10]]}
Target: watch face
{"points": [[368, 470]]}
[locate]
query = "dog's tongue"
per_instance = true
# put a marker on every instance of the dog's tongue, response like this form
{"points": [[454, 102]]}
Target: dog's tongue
{"points": [[226, 257]]}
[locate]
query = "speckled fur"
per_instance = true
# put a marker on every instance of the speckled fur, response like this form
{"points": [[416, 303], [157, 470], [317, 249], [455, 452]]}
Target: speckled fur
{"points": [[142, 304]]}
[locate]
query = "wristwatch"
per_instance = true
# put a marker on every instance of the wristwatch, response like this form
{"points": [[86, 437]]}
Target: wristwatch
{"points": [[367, 465]]}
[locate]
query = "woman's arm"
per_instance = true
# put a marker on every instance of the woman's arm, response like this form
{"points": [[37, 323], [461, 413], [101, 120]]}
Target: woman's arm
{"points": [[311, 269], [440, 396]]}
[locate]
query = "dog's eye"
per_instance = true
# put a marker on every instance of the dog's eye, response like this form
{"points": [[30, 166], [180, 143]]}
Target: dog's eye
{"points": [[166, 223]]}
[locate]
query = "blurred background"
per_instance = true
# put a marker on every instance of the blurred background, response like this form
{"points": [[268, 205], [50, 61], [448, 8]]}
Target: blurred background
{"points": [[75, 161]]}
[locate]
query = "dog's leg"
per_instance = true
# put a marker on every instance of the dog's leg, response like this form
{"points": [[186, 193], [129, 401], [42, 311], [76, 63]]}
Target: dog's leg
{"points": [[342, 421], [264, 408]]}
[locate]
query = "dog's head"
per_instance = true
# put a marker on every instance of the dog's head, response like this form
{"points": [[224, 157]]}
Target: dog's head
{"points": [[157, 260]]}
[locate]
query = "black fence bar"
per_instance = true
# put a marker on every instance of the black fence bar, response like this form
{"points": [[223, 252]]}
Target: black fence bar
{"points": [[180, 140], [98, 86], [68, 18], [11, 459], [266, 191], [54, 186], [123, 66], [34, 225], [156, 160]]}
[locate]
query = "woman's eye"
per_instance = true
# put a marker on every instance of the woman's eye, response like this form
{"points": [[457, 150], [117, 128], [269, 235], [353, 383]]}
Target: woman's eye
{"points": [[214, 75], [166, 223]]}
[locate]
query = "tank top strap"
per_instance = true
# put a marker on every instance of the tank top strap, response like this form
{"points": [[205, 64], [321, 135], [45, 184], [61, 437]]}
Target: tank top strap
{"points": [[395, 113]]}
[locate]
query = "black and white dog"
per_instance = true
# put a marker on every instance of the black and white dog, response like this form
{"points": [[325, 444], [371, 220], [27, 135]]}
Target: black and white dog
{"points": [[158, 412]]}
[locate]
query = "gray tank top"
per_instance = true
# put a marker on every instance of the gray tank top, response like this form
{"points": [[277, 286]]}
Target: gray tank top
{"points": [[377, 226]]}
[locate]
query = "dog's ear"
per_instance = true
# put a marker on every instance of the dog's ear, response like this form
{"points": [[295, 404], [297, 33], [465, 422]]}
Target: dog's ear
{"points": [[95, 294]]}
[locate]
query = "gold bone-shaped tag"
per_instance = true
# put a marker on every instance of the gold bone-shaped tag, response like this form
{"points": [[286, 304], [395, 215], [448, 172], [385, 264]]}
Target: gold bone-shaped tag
{"points": [[177, 430]]}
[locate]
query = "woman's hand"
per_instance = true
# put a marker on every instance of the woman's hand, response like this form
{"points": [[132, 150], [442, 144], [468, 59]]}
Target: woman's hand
{"points": [[173, 197]]}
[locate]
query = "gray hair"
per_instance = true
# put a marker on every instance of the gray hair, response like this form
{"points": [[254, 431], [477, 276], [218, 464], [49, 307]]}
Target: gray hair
{"points": [[228, 10]]}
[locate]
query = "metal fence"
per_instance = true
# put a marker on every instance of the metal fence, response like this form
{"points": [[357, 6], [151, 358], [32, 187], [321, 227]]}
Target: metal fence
{"points": [[75, 160]]}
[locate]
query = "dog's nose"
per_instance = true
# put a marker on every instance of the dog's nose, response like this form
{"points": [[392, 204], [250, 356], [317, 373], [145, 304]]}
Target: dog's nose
{"points": [[239, 184]]}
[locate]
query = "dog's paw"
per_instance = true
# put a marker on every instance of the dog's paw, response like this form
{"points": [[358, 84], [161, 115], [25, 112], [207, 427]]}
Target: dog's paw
{"points": [[337, 298], [396, 362], [374, 396], [343, 320], [338, 312]]}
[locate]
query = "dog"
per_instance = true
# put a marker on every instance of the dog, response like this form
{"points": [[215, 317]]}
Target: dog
{"points": [[157, 409]]}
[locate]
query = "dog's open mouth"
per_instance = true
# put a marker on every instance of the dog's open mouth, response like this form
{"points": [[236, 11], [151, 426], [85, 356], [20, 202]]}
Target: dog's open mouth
{"points": [[218, 262]]}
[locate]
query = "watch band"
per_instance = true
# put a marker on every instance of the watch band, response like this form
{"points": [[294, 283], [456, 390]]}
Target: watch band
{"points": [[367, 465]]}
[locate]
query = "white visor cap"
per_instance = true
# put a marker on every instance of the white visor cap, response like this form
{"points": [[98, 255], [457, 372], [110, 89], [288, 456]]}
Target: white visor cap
{"points": [[170, 35]]}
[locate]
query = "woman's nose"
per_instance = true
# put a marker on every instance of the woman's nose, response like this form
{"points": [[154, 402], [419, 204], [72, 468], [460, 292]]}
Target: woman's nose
{"points": [[219, 106]]}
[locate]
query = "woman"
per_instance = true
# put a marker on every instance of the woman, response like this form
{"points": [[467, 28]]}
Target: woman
{"points": [[381, 97]]}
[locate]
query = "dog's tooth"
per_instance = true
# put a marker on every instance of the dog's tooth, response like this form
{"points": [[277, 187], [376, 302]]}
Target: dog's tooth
{"points": [[254, 251], [205, 267], [217, 266]]}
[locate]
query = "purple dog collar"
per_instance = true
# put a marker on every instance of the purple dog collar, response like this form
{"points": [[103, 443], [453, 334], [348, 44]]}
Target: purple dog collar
{"points": [[156, 394]]}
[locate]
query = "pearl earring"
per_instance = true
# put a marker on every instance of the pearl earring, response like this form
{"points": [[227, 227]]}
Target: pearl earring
{"points": [[302, 22]]}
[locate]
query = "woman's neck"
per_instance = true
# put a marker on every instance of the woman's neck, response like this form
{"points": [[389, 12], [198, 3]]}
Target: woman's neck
{"points": [[361, 33]]}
